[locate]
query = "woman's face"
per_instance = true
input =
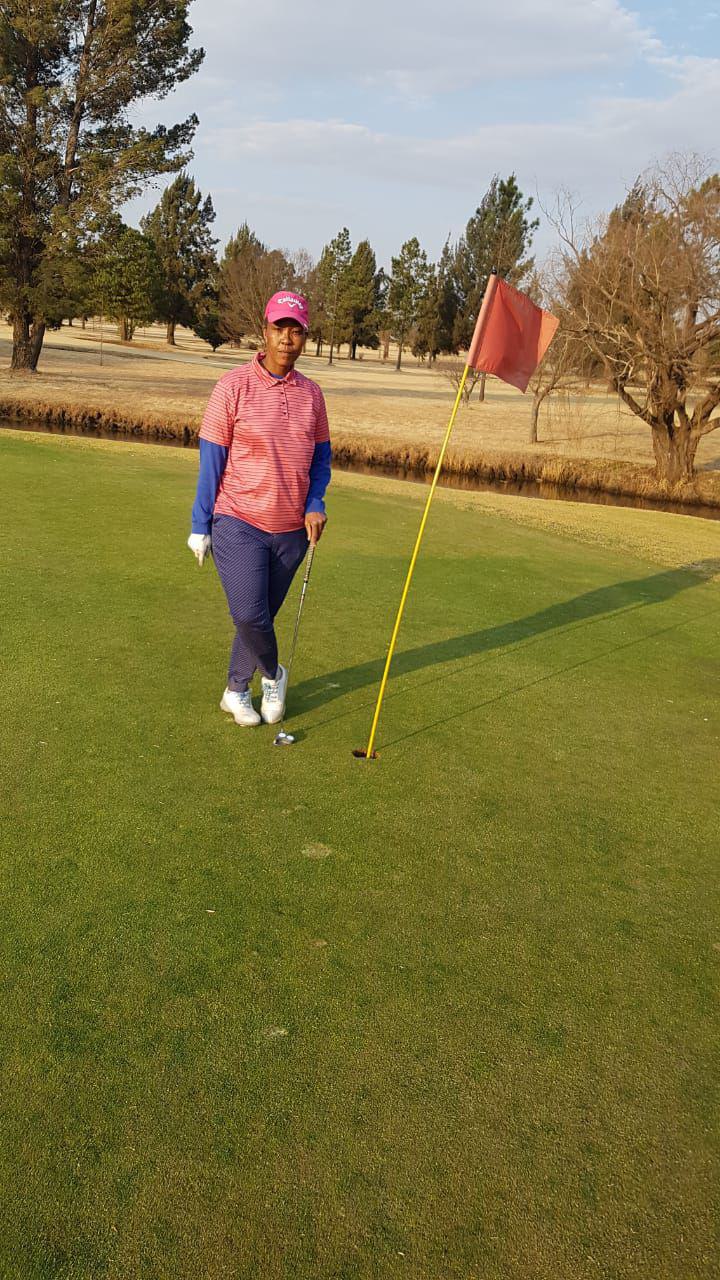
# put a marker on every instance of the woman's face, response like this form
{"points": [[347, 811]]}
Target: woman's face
{"points": [[284, 342]]}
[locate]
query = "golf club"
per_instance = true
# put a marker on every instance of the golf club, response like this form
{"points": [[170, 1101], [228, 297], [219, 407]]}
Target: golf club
{"points": [[283, 739]]}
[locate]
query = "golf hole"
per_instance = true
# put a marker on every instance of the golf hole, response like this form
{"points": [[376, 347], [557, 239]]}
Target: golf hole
{"points": [[363, 755]]}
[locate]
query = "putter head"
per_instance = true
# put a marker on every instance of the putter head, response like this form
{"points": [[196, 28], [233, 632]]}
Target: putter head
{"points": [[283, 739]]}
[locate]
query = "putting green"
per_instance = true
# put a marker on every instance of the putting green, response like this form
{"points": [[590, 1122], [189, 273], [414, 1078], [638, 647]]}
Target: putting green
{"points": [[282, 1013]]}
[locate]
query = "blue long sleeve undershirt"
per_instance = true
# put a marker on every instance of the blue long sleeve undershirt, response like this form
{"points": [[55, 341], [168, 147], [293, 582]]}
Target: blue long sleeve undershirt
{"points": [[319, 478], [213, 460]]}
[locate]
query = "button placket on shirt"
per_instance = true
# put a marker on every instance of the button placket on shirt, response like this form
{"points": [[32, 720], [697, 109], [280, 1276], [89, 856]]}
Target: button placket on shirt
{"points": [[281, 387]]}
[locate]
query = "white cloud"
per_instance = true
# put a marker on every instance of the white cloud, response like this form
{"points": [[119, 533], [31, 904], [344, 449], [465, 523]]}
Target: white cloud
{"points": [[615, 136], [308, 117], [414, 47]]}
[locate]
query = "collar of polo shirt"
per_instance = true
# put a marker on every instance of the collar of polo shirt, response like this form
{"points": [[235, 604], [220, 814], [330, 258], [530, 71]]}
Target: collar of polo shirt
{"points": [[269, 378]]}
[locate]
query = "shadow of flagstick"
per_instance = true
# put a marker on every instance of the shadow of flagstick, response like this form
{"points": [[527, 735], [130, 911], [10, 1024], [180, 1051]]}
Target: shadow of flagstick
{"points": [[517, 646], [604, 601], [550, 675]]}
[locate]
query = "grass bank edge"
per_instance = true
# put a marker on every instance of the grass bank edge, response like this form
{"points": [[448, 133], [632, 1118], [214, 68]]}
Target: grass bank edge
{"points": [[616, 477]]}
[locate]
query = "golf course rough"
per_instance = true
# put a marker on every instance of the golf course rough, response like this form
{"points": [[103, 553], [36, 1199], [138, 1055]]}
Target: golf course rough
{"points": [[479, 1038]]}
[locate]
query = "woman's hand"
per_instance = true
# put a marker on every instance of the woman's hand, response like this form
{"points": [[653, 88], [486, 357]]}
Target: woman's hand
{"points": [[200, 545], [314, 524]]}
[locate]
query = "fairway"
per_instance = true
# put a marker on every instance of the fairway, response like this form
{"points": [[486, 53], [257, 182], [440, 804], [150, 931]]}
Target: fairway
{"points": [[278, 1014]]}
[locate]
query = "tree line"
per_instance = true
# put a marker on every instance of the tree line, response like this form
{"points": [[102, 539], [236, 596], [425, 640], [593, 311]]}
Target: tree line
{"points": [[71, 74], [425, 307], [168, 271], [637, 293]]}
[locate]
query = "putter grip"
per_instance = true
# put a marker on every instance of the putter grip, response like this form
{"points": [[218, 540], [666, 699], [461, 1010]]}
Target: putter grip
{"points": [[308, 567]]}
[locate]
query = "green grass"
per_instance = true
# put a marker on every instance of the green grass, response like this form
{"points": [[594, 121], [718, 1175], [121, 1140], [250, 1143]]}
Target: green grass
{"points": [[280, 1013]]}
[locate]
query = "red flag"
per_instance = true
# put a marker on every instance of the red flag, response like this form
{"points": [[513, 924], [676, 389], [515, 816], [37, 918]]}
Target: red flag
{"points": [[511, 335]]}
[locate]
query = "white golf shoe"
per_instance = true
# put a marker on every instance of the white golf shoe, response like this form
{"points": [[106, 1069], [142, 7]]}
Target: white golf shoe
{"points": [[273, 699], [240, 707]]}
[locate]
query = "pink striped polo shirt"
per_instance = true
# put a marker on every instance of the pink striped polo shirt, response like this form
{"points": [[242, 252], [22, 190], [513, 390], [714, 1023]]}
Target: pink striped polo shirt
{"points": [[270, 427]]}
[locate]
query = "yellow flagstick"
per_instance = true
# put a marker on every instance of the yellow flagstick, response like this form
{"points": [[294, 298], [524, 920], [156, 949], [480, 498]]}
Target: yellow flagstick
{"points": [[479, 327], [406, 588]]}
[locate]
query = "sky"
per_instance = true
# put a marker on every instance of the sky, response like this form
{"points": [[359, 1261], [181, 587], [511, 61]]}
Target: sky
{"points": [[391, 117]]}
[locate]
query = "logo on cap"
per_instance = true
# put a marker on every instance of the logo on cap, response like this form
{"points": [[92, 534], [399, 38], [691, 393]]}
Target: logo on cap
{"points": [[283, 303]]}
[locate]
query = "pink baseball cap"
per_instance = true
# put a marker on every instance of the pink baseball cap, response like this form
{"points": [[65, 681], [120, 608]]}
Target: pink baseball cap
{"points": [[287, 306]]}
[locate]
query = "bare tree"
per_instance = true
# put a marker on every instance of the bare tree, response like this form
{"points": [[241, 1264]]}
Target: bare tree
{"points": [[642, 291], [453, 372], [303, 265], [555, 373], [249, 274], [567, 365]]}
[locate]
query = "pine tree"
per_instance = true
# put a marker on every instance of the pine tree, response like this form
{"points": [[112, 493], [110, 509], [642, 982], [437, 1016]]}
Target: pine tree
{"points": [[320, 293], [499, 236], [315, 294], [363, 293], [64, 285], [424, 329], [207, 326], [127, 283], [71, 71], [179, 227], [438, 311], [407, 290], [335, 264], [242, 242]]}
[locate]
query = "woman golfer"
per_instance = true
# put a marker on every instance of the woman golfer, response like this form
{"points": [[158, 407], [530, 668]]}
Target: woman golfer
{"points": [[264, 469]]}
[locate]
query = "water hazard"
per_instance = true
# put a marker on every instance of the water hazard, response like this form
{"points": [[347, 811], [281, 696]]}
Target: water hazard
{"points": [[525, 489]]}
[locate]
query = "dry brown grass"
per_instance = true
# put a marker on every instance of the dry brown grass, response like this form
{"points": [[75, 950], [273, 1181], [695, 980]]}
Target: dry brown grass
{"points": [[612, 476], [378, 417], [85, 417]]}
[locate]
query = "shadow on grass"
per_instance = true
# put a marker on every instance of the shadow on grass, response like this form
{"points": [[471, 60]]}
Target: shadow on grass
{"points": [[531, 684], [619, 598]]}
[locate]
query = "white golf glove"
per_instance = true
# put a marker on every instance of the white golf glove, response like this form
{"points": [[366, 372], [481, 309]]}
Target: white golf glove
{"points": [[201, 546]]}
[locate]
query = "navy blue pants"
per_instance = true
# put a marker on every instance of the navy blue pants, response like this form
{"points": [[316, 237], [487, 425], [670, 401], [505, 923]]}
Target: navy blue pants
{"points": [[256, 570]]}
